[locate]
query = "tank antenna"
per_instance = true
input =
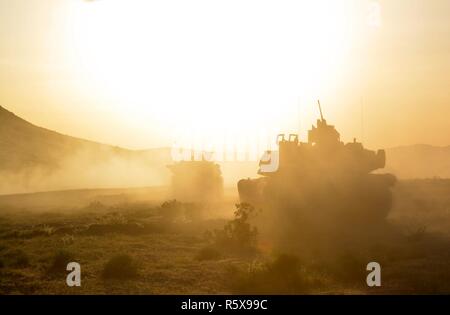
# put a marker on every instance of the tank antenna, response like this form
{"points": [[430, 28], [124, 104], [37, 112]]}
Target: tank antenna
{"points": [[299, 112], [362, 119], [320, 109]]}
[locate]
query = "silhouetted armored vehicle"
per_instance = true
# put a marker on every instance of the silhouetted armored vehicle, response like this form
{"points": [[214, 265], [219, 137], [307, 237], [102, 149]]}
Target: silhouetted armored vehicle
{"points": [[196, 181], [323, 179]]}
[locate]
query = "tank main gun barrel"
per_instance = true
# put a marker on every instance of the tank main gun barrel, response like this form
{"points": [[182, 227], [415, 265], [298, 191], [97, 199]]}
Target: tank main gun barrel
{"points": [[320, 109]]}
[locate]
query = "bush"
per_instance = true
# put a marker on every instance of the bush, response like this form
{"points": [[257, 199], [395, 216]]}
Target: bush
{"points": [[59, 262], [208, 253], [238, 234], [120, 267]]}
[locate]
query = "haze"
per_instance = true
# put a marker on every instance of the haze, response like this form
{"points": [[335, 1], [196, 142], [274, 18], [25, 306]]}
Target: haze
{"points": [[141, 74], [101, 102]]}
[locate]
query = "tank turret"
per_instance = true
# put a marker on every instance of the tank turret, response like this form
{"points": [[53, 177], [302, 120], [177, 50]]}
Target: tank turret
{"points": [[324, 151]]}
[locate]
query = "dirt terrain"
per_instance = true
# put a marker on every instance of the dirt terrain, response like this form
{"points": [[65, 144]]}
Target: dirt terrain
{"points": [[169, 248]]}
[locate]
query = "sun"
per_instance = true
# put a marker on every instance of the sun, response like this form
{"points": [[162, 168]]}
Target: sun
{"points": [[207, 70]]}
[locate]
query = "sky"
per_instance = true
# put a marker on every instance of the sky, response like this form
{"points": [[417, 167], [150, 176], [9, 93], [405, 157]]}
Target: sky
{"points": [[142, 74]]}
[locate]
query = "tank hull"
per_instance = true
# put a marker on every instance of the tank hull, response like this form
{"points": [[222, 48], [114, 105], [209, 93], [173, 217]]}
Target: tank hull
{"points": [[356, 198]]}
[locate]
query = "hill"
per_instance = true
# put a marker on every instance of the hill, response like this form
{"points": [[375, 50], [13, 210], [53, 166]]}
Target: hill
{"points": [[37, 159]]}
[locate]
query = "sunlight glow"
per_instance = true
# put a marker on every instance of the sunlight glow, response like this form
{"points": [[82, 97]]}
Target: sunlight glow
{"points": [[209, 69]]}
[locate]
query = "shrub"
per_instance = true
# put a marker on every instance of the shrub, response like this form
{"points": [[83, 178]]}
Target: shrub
{"points": [[68, 239], [47, 230], [120, 267], [238, 234]]}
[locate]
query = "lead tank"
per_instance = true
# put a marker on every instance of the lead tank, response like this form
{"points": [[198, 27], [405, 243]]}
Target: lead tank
{"points": [[323, 179]]}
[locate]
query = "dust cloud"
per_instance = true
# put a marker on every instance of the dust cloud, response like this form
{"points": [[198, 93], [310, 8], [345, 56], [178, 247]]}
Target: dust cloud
{"points": [[85, 169]]}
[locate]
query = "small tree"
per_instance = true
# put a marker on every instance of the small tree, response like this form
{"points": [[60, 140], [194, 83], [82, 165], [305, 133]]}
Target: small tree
{"points": [[238, 233]]}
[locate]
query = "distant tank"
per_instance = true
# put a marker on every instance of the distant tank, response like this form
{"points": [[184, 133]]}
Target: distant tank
{"points": [[196, 181], [323, 179]]}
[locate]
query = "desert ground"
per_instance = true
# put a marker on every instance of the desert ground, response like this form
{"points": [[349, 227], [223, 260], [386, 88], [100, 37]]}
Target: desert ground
{"points": [[134, 241]]}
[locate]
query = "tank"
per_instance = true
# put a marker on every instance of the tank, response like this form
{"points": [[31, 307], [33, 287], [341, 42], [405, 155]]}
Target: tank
{"points": [[196, 181], [324, 178]]}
